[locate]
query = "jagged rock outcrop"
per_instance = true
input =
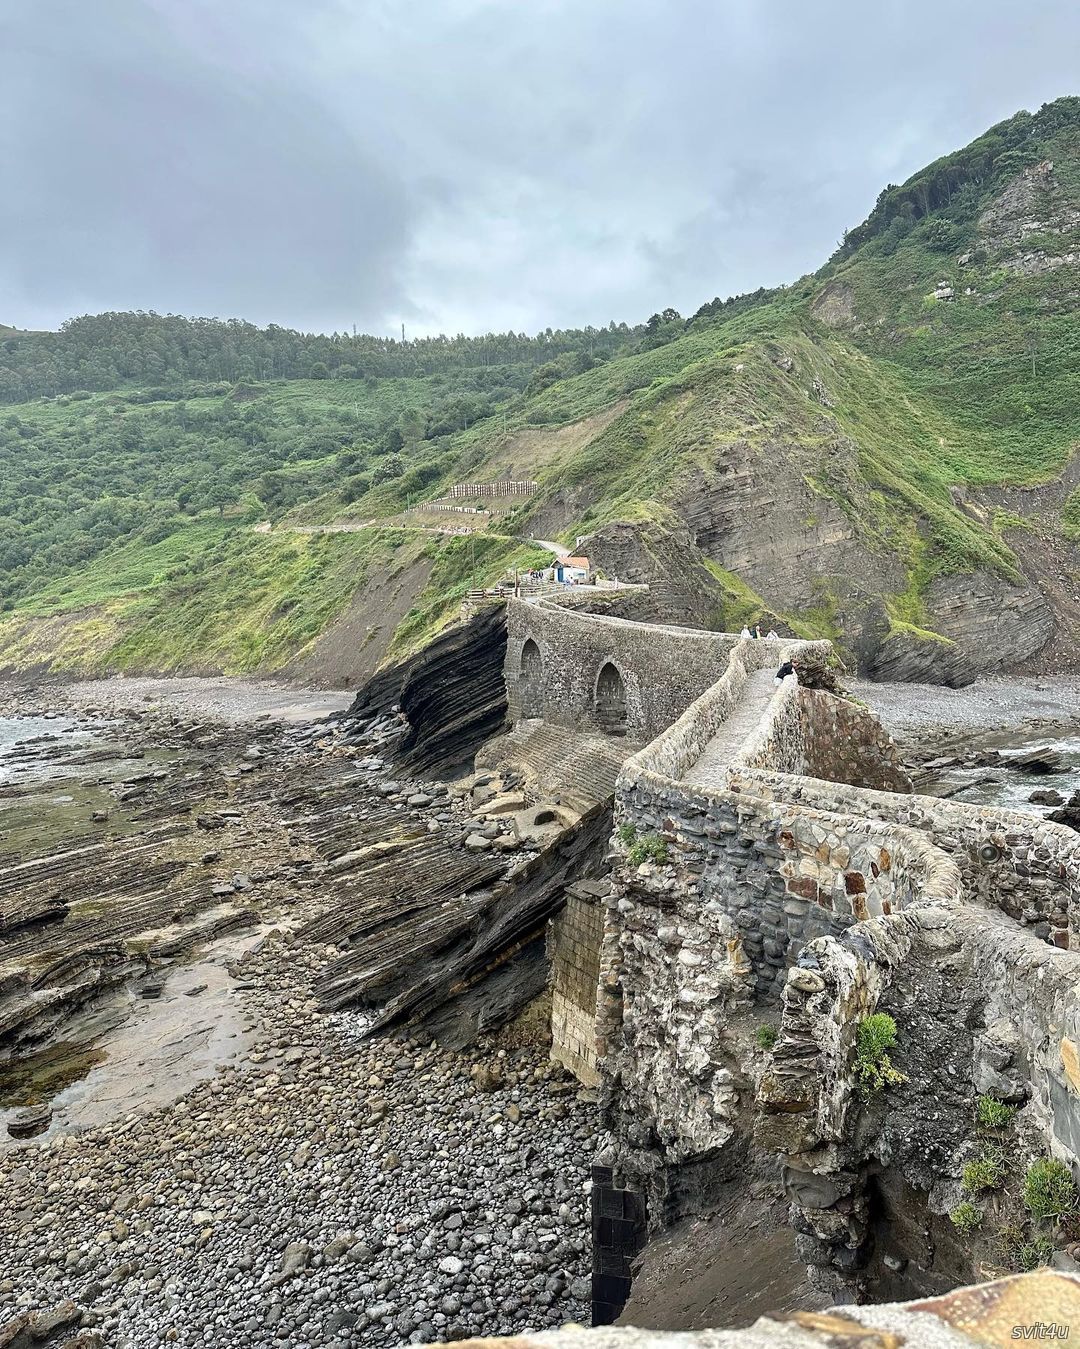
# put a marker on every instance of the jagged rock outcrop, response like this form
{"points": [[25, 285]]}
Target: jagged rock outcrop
{"points": [[754, 511], [1033, 203], [1047, 557], [451, 693], [681, 588]]}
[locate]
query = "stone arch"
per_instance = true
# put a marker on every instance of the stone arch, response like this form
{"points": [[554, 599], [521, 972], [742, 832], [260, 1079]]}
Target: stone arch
{"points": [[531, 680], [610, 700]]}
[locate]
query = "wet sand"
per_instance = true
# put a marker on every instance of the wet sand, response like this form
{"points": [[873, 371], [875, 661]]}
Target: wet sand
{"points": [[232, 701], [153, 1050]]}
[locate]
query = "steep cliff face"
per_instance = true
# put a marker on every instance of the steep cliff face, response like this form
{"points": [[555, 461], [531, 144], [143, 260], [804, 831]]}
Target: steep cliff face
{"points": [[452, 696], [1036, 532], [667, 560], [881, 454]]}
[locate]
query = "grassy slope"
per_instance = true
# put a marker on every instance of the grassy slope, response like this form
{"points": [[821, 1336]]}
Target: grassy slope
{"points": [[214, 598], [930, 395]]}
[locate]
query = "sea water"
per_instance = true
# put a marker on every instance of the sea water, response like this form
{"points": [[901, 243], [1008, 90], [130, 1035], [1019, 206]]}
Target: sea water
{"points": [[1011, 789]]}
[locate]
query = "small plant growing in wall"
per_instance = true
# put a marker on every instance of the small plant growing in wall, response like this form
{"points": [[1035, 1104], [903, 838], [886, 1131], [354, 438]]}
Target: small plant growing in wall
{"points": [[993, 1114], [965, 1217], [1020, 1249], [1034, 1253], [874, 1069], [1049, 1189], [648, 848], [766, 1036], [626, 834], [985, 1172]]}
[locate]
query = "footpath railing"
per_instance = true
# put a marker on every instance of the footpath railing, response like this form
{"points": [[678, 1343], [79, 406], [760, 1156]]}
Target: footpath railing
{"points": [[503, 487]]}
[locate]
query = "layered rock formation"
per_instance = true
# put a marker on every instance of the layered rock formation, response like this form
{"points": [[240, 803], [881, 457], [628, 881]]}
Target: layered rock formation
{"points": [[451, 695]]}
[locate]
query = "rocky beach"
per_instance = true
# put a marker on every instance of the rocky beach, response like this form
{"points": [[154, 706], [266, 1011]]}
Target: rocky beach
{"points": [[1007, 707], [325, 1191], [199, 1148]]}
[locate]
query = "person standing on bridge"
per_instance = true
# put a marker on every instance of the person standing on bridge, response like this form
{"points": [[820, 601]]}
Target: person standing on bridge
{"points": [[745, 632], [787, 668]]}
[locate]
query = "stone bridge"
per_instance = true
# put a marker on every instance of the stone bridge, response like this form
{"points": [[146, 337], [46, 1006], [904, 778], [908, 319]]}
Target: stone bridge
{"points": [[772, 868]]}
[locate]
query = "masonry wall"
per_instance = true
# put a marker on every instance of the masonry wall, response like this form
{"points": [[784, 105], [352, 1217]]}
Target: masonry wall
{"points": [[998, 1014], [745, 888], [577, 932], [662, 669], [808, 881], [1010, 860], [832, 900], [845, 742], [750, 887]]}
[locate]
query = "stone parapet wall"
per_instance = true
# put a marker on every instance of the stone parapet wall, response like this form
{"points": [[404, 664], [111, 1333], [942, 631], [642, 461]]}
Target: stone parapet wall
{"points": [[748, 888], [1011, 860], [844, 742], [1029, 1049], [674, 752], [1001, 1014], [780, 738], [830, 898], [661, 669]]}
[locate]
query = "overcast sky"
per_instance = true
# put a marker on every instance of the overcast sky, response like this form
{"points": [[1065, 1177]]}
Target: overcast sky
{"points": [[465, 165]]}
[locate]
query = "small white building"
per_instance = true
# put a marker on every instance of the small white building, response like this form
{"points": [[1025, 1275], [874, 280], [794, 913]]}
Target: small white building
{"points": [[577, 570]]}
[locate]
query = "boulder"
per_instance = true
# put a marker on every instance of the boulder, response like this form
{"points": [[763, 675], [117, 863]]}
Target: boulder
{"points": [[30, 1122], [1043, 760]]}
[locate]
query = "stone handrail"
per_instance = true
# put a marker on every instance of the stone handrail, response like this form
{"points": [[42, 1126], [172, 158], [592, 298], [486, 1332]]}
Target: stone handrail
{"points": [[1009, 859], [759, 879], [675, 750]]}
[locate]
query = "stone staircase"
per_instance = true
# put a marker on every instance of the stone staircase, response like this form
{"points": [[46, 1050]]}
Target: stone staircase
{"points": [[571, 768]]}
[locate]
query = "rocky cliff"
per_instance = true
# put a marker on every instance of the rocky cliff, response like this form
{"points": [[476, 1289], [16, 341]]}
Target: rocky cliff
{"points": [[884, 453]]}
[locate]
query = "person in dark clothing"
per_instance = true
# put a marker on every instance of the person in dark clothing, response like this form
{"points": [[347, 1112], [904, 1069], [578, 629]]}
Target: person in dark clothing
{"points": [[787, 668]]}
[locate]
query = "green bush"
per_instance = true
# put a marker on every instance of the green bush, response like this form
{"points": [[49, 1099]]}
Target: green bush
{"points": [[1049, 1189], [873, 1067], [992, 1114], [626, 834], [766, 1036], [1033, 1254], [985, 1172], [965, 1217], [648, 848]]}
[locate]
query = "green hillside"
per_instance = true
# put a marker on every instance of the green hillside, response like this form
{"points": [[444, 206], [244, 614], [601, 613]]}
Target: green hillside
{"points": [[876, 453]]}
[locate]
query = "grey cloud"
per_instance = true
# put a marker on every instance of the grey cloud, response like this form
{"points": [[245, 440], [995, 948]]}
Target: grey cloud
{"points": [[148, 176], [475, 164]]}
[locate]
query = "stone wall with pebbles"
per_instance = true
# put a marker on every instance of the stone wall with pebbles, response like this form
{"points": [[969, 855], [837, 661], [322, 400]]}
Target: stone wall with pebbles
{"points": [[574, 945], [806, 874], [744, 889], [1027, 867]]}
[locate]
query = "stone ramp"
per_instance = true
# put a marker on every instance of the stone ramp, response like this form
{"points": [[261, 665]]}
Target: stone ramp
{"points": [[572, 768], [711, 770]]}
